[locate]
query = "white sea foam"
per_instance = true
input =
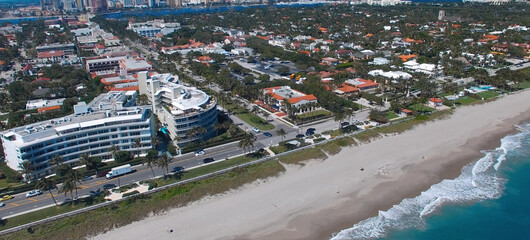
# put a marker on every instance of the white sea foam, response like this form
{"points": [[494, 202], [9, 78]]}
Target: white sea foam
{"points": [[478, 181]]}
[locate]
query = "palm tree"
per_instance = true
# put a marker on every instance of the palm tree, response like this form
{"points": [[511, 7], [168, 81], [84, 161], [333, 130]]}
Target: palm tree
{"points": [[247, 141], [266, 115], [137, 144], [339, 116], [155, 142], [68, 187], [56, 161], [47, 184], [163, 162], [85, 160], [27, 169], [74, 176], [281, 133], [114, 151], [217, 127], [150, 160]]}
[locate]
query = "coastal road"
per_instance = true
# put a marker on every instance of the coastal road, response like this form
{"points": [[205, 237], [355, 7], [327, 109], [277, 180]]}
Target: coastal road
{"points": [[20, 204]]}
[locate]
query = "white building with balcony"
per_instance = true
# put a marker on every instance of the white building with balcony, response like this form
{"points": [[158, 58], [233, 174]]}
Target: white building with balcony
{"points": [[187, 113], [110, 119]]}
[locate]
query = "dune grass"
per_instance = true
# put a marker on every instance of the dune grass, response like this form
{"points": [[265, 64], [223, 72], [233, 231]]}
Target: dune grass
{"points": [[303, 155], [137, 208]]}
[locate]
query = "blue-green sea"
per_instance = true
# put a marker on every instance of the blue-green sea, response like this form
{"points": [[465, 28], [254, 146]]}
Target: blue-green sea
{"points": [[489, 200]]}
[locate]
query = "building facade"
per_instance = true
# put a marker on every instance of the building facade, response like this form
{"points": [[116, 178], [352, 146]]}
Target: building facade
{"points": [[110, 119], [187, 113]]}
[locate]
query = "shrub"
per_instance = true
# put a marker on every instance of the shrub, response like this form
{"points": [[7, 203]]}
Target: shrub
{"points": [[171, 149], [130, 193]]}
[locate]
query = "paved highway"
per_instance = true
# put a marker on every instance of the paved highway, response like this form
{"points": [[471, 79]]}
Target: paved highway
{"points": [[21, 204]]}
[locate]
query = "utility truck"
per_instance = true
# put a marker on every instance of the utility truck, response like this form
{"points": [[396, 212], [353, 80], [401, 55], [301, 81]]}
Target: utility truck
{"points": [[118, 171]]}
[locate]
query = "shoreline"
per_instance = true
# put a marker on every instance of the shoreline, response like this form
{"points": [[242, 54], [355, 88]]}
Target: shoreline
{"points": [[327, 196]]}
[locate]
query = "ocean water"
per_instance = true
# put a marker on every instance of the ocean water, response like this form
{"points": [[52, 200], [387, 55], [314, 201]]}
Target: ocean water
{"points": [[489, 200]]}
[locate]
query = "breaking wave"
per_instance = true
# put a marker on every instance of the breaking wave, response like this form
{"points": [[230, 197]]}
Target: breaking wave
{"points": [[479, 181]]}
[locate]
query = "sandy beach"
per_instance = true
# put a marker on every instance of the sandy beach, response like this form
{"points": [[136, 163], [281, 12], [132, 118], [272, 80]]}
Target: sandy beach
{"points": [[326, 196]]}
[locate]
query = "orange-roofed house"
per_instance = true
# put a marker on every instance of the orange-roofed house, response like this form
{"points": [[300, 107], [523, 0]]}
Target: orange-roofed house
{"points": [[405, 112], [435, 102], [405, 58], [346, 90], [362, 84], [285, 99], [50, 57], [369, 35], [488, 38]]}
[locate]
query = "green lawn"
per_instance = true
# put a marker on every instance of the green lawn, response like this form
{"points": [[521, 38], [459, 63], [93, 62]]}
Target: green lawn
{"points": [[391, 115], [420, 107], [255, 121], [488, 94], [313, 114], [4, 183], [278, 149], [465, 100], [525, 84]]}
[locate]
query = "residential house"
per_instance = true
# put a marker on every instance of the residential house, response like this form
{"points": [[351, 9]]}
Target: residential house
{"points": [[283, 98]]}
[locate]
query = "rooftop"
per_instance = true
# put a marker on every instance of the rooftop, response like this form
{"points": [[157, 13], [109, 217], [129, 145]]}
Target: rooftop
{"points": [[105, 108]]}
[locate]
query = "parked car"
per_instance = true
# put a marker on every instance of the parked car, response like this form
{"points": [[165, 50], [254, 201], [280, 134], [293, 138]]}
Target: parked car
{"points": [[310, 131], [95, 193], [300, 136], [208, 160], [108, 186], [33, 193], [268, 134], [255, 129], [199, 152], [344, 124], [102, 174], [6, 197], [178, 169]]}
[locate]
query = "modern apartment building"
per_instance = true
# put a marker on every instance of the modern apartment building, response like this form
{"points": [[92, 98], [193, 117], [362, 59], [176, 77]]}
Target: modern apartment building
{"points": [[110, 119], [187, 113]]}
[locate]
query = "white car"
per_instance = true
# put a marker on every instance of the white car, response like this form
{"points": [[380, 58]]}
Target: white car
{"points": [[255, 129], [2, 204], [33, 193], [199, 152]]}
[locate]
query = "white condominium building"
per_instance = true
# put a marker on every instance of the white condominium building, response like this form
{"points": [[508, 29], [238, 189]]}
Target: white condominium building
{"points": [[187, 113], [110, 119]]}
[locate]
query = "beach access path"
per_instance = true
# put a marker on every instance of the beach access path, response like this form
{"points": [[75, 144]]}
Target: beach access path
{"points": [[326, 196]]}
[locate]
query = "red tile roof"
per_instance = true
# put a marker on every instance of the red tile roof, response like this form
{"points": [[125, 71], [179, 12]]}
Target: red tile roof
{"points": [[347, 88], [50, 54], [298, 99], [435, 100]]}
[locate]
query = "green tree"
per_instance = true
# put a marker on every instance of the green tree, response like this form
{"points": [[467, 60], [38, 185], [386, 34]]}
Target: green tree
{"points": [[247, 142], [114, 151], [46, 184], [163, 162], [281, 133], [137, 144], [27, 169], [151, 160]]}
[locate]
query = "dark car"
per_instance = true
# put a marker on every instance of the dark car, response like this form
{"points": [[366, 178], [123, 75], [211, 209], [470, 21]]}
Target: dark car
{"points": [[108, 186], [102, 174], [208, 160], [268, 134], [310, 131], [300, 136], [177, 169]]}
